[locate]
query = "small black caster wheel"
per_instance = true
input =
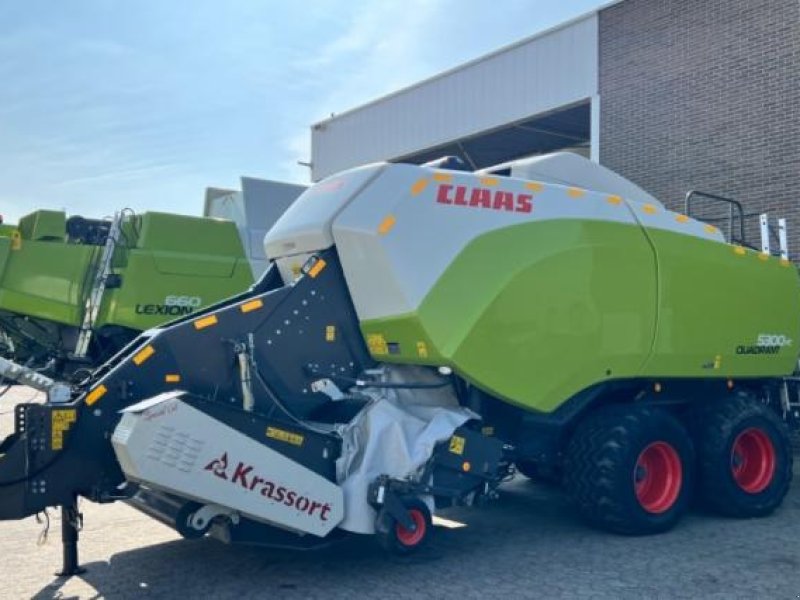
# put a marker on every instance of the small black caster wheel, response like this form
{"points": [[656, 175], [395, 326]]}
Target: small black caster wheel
{"points": [[183, 522], [402, 541]]}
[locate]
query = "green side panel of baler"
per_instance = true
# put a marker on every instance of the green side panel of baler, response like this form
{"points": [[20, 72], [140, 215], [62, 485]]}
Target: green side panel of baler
{"points": [[44, 280], [536, 312], [714, 303], [189, 260]]}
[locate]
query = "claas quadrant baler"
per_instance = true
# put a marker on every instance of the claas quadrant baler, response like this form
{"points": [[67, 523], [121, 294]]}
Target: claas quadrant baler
{"points": [[420, 334]]}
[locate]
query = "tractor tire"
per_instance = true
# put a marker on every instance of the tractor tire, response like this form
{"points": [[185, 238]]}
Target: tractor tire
{"points": [[744, 457], [628, 469]]}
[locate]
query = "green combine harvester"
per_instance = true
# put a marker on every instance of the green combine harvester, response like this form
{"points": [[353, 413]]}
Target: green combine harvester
{"points": [[74, 291], [420, 334]]}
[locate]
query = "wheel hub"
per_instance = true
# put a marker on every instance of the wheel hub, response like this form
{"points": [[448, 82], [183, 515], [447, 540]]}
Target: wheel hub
{"points": [[413, 536], [753, 460], [658, 477]]}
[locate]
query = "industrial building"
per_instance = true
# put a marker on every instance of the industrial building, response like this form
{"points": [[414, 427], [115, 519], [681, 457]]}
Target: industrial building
{"points": [[674, 95]]}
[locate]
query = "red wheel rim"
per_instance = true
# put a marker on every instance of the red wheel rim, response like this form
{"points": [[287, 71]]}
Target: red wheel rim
{"points": [[657, 477], [753, 460], [408, 537]]}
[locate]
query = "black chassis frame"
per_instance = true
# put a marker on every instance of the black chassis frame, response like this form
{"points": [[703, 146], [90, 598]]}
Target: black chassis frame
{"points": [[542, 437], [59, 452]]}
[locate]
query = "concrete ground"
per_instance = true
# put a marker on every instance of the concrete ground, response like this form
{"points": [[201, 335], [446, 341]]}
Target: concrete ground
{"points": [[528, 544]]}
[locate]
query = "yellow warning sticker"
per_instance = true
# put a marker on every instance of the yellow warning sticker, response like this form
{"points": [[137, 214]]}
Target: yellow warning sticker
{"points": [[377, 344], [457, 444], [61, 421], [285, 436], [330, 333], [422, 350]]}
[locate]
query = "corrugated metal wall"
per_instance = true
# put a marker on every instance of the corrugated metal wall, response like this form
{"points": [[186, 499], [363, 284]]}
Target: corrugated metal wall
{"points": [[556, 68]]}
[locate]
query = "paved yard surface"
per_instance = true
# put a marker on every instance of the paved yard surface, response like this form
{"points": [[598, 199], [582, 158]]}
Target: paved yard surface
{"points": [[526, 545]]}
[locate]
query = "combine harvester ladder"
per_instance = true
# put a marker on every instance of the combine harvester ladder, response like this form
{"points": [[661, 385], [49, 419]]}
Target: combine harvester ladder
{"points": [[93, 300]]}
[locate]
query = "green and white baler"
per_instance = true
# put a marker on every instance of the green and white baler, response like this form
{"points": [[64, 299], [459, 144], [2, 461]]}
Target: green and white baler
{"points": [[419, 333]]}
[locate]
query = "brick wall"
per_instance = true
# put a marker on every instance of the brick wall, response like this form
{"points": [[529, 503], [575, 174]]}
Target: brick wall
{"points": [[705, 94]]}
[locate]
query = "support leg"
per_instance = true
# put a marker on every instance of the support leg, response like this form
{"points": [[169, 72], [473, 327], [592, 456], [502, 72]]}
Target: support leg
{"points": [[70, 526]]}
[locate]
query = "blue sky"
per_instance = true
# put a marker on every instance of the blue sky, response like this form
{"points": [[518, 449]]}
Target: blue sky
{"points": [[106, 104]]}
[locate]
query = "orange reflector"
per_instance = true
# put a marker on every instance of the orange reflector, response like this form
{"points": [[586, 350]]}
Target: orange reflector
{"points": [[251, 306], [615, 200], [143, 355], [785, 262], [649, 209], [172, 378], [466, 467], [387, 224], [418, 187], [534, 186], [489, 181], [574, 192], [682, 219], [739, 250], [96, 394], [710, 229], [205, 322], [443, 177], [317, 267]]}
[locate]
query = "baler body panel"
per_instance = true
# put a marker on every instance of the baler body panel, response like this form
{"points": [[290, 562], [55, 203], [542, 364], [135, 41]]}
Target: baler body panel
{"points": [[724, 311], [556, 319], [534, 291]]}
